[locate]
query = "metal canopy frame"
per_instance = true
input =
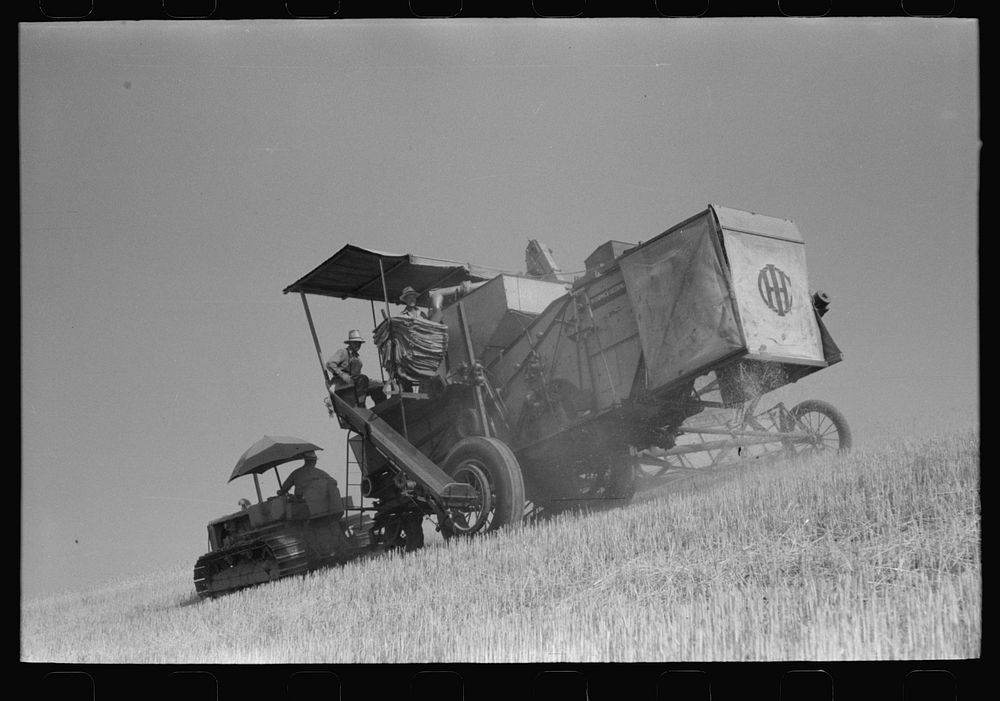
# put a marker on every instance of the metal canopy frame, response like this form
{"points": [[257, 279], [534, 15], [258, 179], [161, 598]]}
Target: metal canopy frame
{"points": [[359, 273]]}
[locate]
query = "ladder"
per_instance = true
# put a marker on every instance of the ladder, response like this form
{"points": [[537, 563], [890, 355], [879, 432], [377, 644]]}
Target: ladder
{"points": [[353, 478]]}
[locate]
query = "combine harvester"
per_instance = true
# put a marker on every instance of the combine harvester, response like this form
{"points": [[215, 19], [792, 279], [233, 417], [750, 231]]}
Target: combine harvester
{"points": [[537, 393]]}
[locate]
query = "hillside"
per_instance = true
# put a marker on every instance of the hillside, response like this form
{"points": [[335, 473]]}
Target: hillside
{"points": [[871, 555]]}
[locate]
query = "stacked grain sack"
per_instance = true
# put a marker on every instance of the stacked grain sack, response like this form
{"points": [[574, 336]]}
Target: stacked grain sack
{"points": [[411, 349]]}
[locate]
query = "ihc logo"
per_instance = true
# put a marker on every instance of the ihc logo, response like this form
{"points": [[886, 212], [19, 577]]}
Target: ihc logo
{"points": [[775, 289]]}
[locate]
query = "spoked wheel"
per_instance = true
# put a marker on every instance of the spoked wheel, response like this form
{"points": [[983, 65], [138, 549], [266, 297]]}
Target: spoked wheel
{"points": [[827, 427], [478, 516], [489, 466]]}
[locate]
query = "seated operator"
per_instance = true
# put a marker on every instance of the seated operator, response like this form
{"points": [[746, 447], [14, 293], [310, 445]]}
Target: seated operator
{"points": [[314, 486], [345, 368]]}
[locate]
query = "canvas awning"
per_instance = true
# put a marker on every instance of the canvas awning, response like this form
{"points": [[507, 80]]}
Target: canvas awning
{"points": [[355, 273]]}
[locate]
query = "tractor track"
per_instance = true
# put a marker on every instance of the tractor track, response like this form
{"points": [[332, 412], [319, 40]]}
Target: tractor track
{"points": [[246, 564]]}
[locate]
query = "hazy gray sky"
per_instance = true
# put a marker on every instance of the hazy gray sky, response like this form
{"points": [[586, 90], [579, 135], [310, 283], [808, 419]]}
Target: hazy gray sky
{"points": [[175, 177]]}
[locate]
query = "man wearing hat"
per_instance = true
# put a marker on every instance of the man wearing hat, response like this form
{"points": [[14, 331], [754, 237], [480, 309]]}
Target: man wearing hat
{"points": [[345, 368], [409, 297], [316, 494], [309, 482]]}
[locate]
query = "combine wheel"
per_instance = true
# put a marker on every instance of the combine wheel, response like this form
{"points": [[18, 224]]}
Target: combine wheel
{"points": [[490, 467], [827, 425]]}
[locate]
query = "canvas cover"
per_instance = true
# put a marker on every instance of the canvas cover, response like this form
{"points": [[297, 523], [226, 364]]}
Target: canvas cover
{"points": [[682, 301]]}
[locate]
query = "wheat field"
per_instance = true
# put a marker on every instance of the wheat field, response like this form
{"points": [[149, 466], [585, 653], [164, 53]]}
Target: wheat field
{"points": [[873, 555]]}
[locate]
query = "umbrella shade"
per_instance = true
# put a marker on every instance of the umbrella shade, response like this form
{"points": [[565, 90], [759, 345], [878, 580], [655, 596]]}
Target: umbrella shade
{"points": [[270, 451]]}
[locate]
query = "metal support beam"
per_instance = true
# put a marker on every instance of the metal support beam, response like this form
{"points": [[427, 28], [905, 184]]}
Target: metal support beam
{"points": [[381, 372], [735, 443], [388, 320], [312, 330], [707, 430], [477, 390]]}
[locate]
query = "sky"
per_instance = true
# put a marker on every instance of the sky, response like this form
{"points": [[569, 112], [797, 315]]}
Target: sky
{"points": [[176, 177]]}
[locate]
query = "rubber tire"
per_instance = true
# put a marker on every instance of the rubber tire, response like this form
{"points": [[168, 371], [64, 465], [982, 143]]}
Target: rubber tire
{"points": [[833, 414], [503, 471]]}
